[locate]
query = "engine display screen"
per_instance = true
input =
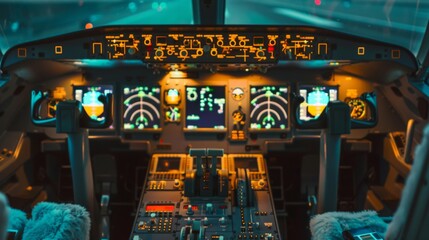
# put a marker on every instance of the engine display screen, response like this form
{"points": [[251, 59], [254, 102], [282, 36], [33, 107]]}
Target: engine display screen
{"points": [[141, 108], [315, 100], [250, 163], [88, 96], [205, 107], [166, 164], [268, 107]]}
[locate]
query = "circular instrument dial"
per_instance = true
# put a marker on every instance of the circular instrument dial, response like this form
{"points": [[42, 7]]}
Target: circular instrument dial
{"points": [[357, 108], [141, 106], [268, 107]]}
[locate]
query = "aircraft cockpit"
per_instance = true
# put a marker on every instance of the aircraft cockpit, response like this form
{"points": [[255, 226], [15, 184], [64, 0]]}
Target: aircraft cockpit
{"points": [[220, 129]]}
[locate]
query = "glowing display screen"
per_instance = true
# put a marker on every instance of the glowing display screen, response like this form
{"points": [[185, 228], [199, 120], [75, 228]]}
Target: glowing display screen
{"points": [[250, 163], [159, 208], [268, 107], [315, 100], [88, 96], [205, 107], [166, 164], [141, 108]]}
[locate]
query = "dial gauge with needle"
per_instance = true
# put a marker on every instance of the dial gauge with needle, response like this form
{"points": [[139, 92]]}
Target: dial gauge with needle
{"points": [[357, 108]]}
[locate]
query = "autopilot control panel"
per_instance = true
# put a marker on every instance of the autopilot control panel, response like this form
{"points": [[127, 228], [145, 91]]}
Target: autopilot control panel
{"points": [[206, 194]]}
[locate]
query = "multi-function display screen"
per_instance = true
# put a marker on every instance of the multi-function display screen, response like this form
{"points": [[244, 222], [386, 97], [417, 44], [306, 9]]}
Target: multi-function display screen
{"points": [[205, 107], [268, 107], [315, 100], [89, 97], [141, 108]]}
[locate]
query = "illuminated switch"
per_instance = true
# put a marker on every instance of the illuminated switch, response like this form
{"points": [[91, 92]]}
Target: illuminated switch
{"points": [[176, 183], [261, 183], [209, 208], [141, 225], [205, 221], [256, 225], [153, 221], [222, 221], [190, 211], [269, 237], [396, 54], [361, 51]]}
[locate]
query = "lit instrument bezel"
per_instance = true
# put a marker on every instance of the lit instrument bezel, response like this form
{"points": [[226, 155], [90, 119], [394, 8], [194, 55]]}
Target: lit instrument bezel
{"points": [[361, 105]]}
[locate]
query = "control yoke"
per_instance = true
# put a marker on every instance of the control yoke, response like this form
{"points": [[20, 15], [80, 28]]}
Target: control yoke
{"points": [[334, 121], [72, 119], [85, 121]]}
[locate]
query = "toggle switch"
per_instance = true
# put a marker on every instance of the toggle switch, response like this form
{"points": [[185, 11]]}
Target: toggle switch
{"points": [[190, 211]]}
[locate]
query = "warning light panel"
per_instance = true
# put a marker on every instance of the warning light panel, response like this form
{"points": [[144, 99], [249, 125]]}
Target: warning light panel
{"points": [[159, 208]]}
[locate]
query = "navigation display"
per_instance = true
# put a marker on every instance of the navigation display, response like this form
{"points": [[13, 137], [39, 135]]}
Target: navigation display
{"points": [[88, 96], [205, 107], [315, 100], [268, 107], [141, 108]]}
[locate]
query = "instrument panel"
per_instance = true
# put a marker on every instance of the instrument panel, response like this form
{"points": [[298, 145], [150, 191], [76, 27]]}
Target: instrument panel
{"points": [[205, 108], [235, 109], [207, 45], [180, 88], [206, 194], [228, 88]]}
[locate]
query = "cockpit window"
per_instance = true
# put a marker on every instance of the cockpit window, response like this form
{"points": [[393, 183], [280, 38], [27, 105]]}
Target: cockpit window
{"points": [[394, 21], [27, 20]]}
